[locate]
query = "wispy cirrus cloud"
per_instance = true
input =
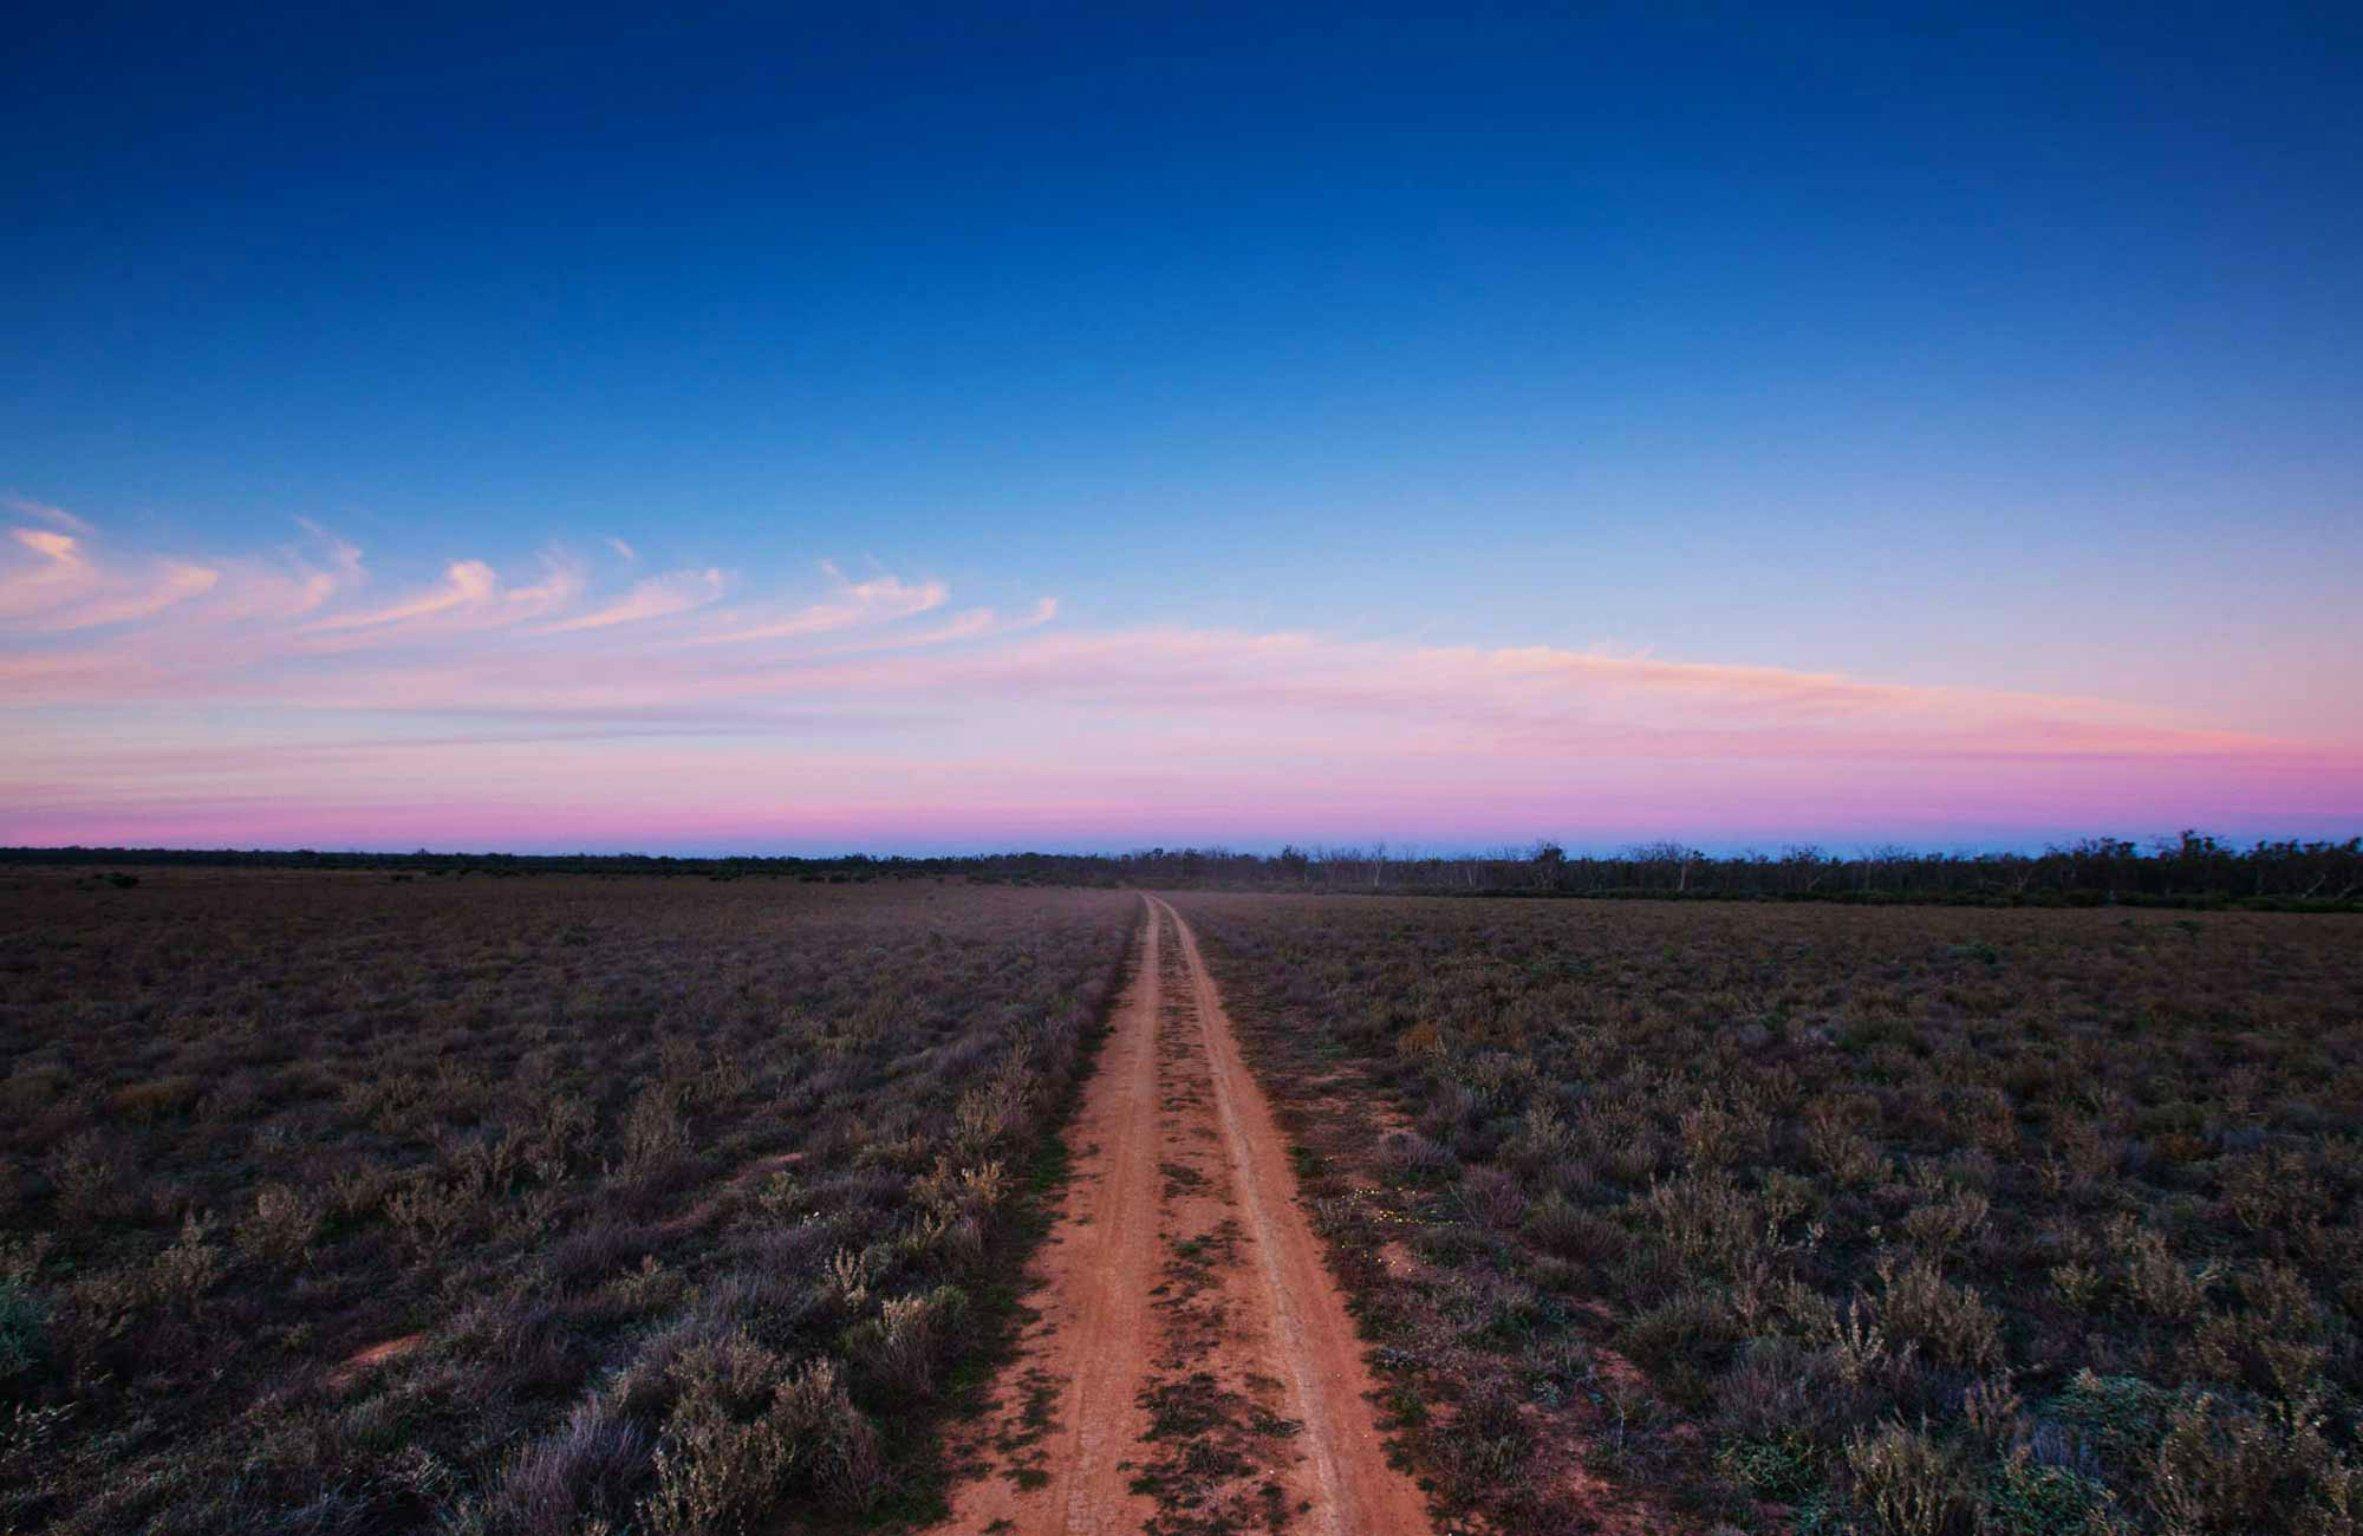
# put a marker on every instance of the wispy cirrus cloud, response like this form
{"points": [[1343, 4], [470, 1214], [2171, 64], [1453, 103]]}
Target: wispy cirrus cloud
{"points": [[55, 575], [659, 597], [62, 588], [288, 583], [466, 585], [971, 624], [873, 701], [42, 512], [850, 605], [299, 625]]}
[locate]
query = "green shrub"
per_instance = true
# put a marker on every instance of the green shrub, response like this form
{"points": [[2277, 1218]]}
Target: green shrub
{"points": [[1785, 1468], [2121, 1418], [2024, 1498], [24, 1327]]}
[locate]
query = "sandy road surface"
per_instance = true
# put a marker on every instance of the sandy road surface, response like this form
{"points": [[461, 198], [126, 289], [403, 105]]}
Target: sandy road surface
{"points": [[1191, 1366]]}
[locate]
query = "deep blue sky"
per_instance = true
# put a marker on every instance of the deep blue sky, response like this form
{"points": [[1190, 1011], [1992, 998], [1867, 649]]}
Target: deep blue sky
{"points": [[2000, 347]]}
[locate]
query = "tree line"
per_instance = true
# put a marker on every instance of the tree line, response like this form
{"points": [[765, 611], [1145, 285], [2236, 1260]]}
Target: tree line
{"points": [[2192, 869]]}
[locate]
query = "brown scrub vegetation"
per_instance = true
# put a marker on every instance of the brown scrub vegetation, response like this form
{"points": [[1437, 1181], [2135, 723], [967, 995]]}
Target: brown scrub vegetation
{"points": [[345, 1202], [1906, 1221]]}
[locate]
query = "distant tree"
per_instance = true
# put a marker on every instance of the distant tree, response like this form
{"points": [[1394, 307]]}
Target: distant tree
{"points": [[1674, 858]]}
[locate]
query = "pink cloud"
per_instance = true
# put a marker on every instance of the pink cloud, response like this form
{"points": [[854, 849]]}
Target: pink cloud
{"points": [[659, 597], [974, 624], [882, 599], [63, 589], [562, 585], [288, 584], [172, 584], [55, 575], [653, 712], [465, 584], [58, 549]]}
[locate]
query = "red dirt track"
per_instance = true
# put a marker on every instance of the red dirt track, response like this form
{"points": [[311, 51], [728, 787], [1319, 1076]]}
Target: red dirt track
{"points": [[1192, 1365]]}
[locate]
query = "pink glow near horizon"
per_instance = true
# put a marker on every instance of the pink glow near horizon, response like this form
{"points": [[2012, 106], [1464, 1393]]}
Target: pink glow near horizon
{"points": [[276, 698]]}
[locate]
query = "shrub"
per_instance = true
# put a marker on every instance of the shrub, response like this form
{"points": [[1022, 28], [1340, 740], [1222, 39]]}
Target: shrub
{"points": [[2158, 1283], [1782, 1468], [1493, 1197], [1838, 1149], [1409, 1155], [24, 1327], [2278, 1342], [904, 1346], [580, 1478], [1947, 1222], [655, 1131], [1903, 1483], [429, 1213], [280, 1227], [2220, 1469], [742, 1433], [1560, 1227], [1490, 1437], [188, 1268], [2027, 1498], [88, 1174], [2120, 1417], [1947, 1323]]}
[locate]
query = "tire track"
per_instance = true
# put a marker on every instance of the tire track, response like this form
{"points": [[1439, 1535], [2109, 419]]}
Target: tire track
{"points": [[1357, 1492], [1067, 1420], [1192, 1368]]}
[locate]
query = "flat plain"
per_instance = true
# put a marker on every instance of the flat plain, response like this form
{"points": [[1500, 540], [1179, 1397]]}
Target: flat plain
{"points": [[1909, 1221], [354, 1203], [349, 1202]]}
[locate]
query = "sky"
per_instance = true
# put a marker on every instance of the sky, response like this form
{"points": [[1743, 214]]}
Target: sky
{"points": [[919, 428]]}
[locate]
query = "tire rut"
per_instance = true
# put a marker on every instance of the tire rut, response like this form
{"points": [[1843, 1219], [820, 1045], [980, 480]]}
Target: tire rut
{"points": [[1190, 1368]]}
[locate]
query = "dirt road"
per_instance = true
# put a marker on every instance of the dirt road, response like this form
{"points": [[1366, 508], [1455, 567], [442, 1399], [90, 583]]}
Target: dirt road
{"points": [[1192, 1367]]}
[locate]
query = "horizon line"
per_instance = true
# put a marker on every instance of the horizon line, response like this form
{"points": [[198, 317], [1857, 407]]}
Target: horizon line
{"points": [[1387, 851]]}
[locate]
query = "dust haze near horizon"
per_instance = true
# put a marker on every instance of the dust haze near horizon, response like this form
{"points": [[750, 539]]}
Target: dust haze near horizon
{"points": [[955, 431]]}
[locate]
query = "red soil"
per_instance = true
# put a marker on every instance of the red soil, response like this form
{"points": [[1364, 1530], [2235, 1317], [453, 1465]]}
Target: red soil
{"points": [[1186, 1317]]}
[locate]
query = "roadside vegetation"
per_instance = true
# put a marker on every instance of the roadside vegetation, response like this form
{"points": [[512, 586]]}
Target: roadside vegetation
{"points": [[353, 1202], [1901, 1222]]}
